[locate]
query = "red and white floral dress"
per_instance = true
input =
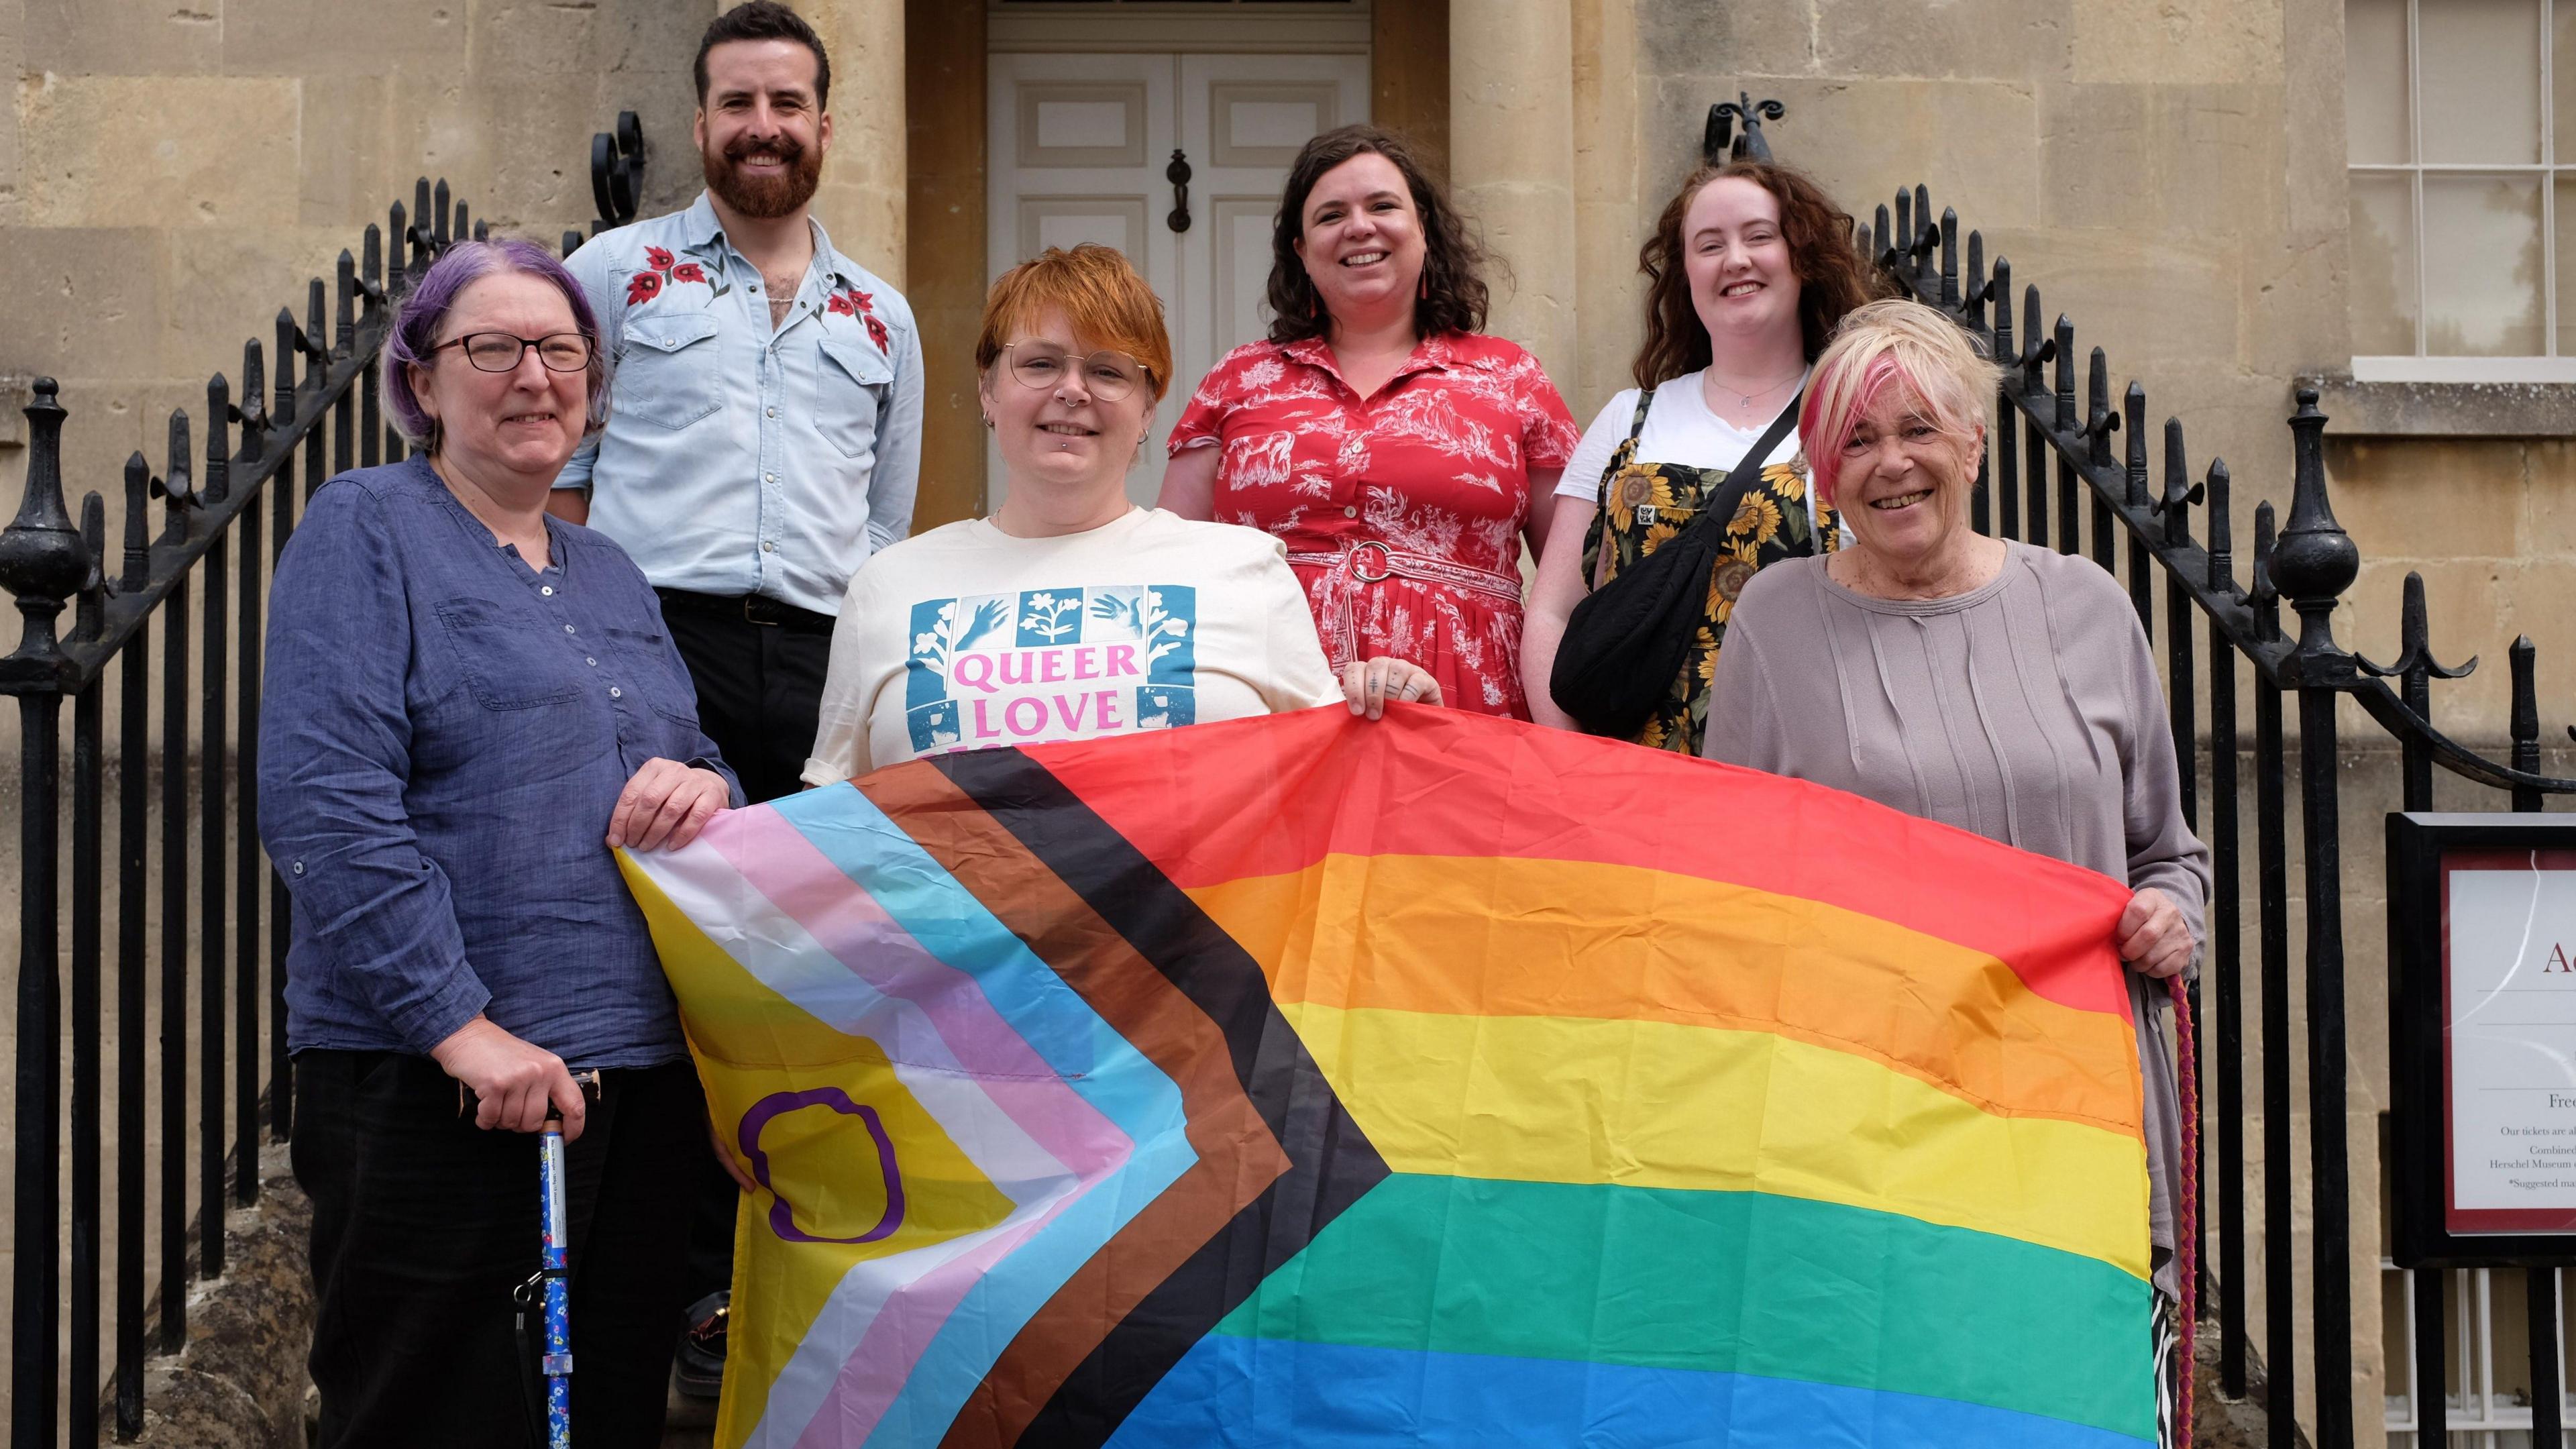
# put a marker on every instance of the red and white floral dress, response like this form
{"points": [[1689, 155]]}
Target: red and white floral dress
{"points": [[1402, 511]]}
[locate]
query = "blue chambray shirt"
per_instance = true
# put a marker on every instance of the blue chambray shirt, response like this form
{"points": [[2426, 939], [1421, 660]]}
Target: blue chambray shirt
{"points": [[738, 459], [443, 734]]}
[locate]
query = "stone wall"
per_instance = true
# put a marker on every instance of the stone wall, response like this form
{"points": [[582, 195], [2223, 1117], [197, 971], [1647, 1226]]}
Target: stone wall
{"points": [[170, 175]]}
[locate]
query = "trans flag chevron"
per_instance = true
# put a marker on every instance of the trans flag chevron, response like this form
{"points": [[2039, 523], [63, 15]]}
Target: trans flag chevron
{"points": [[1304, 1081]]}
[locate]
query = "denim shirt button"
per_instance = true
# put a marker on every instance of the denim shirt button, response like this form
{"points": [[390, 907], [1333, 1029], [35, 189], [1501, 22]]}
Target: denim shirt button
{"points": [[615, 693]]}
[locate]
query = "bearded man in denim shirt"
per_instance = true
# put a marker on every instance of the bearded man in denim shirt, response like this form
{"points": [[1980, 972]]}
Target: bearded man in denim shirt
{"points": [[764, 439]]}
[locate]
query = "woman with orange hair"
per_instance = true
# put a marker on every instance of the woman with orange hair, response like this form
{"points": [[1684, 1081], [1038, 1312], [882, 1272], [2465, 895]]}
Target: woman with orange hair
{"points": [[1070, 613]]}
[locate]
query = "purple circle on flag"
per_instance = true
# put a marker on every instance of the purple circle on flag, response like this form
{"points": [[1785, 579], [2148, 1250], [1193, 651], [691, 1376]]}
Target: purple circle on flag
{"points": [[782, 1217]]}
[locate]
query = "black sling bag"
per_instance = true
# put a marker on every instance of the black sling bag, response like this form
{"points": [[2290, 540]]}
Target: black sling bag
{"points": [[1626, 642]]}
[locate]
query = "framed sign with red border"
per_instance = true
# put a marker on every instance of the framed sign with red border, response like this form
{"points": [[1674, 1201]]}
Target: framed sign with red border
{"points": [[2482, 1038]]}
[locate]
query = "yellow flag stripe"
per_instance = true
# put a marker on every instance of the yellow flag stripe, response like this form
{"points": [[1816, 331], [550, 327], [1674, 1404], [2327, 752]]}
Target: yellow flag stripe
{"points": [[1655, 1104]]}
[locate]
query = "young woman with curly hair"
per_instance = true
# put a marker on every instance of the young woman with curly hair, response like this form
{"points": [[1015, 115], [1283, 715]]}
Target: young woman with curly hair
{"points": [[1750, 268], [1401, 454]]}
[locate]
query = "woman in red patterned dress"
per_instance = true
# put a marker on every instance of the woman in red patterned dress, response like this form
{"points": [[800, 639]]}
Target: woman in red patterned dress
{"points": [[1395, 449]]}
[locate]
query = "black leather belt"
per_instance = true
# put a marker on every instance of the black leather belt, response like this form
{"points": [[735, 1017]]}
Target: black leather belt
{"points": [[750, 608]]}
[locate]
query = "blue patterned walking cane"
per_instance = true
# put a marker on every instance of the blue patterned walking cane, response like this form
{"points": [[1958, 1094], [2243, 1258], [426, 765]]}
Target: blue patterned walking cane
{"points": [[551, 1285], [557, 1362]]}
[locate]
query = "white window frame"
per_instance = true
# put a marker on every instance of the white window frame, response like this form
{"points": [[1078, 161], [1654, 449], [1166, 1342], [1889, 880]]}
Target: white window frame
{"points": [[2550, 366], [2478, 1421]]}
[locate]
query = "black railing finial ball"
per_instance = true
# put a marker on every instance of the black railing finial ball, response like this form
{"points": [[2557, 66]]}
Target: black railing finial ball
{"points": [[42, 561], [2315, 560]]}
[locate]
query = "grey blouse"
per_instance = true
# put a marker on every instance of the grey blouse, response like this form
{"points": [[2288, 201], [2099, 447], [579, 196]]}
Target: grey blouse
{"points": [[2026, 710]]}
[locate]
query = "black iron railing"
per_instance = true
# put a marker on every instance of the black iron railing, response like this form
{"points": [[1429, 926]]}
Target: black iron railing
{"points": [[2051, 458], [225, 515], [204, 573]]}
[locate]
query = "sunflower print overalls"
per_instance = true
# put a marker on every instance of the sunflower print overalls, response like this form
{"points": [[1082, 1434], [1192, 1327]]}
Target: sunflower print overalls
{"points": [[1643, 504]]}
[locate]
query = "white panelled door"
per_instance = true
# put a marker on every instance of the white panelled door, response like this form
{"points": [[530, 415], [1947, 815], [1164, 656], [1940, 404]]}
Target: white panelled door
{"points": [[1082, 147]]}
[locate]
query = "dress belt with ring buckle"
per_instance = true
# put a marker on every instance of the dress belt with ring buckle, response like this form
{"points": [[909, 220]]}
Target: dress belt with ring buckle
{"points": [[1374, 563]]}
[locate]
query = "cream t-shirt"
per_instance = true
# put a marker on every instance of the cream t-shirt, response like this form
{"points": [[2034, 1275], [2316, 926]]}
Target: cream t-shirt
{"points": [[966, 637]]}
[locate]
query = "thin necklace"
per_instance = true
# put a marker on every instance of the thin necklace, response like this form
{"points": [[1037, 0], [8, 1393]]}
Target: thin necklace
{"points": [[1745, 400]]}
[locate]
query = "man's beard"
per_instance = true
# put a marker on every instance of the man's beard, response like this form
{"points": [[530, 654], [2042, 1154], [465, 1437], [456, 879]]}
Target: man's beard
{"points": [[764, 198]]}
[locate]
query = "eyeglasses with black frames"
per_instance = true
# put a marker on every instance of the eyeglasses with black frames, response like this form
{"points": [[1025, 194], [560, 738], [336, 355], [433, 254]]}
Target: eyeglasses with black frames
{"points": [[1107, 374], [500, 351]]}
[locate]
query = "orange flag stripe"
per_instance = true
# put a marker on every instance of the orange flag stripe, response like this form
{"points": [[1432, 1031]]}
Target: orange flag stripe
{"points": [[1416, 933], [1273, 795]]}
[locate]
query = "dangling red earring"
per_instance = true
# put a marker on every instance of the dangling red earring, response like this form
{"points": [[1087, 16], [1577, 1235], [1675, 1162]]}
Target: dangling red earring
{"points": [[1422, 284]]}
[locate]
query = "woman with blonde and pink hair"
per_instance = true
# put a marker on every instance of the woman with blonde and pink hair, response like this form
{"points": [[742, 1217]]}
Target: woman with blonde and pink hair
{"points": [[1996, 686]]}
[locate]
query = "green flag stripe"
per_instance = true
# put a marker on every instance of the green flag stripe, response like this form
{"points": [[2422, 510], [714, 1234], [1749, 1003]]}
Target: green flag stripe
{"points": [[1723, 1282]]}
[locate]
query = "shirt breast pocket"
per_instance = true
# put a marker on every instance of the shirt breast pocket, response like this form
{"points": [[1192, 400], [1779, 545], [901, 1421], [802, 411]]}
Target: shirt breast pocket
{"points": [[643, 656], [508, 661], [849, 389], [666, 369]]}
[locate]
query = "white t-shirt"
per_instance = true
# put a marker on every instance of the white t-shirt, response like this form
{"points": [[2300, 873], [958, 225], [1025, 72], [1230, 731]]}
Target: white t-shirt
{"points": [[966, 637], [1679, 429]]}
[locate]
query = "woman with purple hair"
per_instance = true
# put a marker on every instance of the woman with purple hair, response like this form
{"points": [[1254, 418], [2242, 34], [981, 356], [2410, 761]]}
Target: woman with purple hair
{"points": [[469, 704]]}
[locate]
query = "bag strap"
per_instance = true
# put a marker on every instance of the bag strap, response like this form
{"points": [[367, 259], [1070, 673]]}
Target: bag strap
{"points": [[1626, 452], [1747, 470]]}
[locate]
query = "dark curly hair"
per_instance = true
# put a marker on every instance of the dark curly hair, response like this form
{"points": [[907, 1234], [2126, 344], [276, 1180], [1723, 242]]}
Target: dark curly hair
{"points": [[1833, 277], [1453, 288]]}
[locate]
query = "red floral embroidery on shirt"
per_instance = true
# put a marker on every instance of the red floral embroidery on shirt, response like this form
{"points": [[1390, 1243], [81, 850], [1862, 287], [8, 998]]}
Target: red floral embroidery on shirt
{"points": [[862, 305], [662, 269]]}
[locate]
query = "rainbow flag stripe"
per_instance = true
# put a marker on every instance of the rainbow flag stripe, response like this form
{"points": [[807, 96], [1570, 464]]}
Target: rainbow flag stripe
{"points": [[1302, 1081]]}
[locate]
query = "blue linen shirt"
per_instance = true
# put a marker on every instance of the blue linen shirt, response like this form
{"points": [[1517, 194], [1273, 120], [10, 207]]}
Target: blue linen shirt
{"points": [[443, 733], [741, 458]]}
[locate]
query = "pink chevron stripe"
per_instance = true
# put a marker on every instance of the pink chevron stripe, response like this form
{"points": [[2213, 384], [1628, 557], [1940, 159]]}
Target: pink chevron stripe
{"points": [[874, 1375], [774, 858]]}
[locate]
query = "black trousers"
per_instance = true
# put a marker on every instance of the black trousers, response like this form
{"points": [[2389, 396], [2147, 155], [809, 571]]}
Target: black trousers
{"points": [[423, 1223], [760, 689]]}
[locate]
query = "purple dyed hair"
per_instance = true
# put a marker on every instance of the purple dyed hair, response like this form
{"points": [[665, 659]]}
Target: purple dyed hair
{"points": [[423, 315]]}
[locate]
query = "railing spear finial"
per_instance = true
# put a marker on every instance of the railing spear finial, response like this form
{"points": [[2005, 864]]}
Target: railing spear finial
{"points": [[2266, 596], [220, 413], [2222, 531], [2415, 666], [176, 488], [2526, 721], [89, 616]]}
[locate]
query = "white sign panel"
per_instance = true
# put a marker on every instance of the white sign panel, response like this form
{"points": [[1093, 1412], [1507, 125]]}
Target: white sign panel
{"points": [[2510, 1043]]}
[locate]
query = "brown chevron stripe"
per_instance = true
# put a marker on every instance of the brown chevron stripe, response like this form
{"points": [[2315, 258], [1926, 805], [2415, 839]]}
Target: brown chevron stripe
{"points": [[1238, 1158]]}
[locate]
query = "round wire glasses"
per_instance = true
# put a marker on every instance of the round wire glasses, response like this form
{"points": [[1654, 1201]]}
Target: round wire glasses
{"points": [[1107, 374]]}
